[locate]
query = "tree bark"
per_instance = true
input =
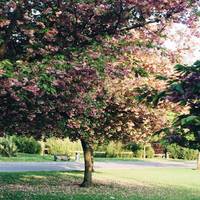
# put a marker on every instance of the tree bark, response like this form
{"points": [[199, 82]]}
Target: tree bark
{"points": [[198, 161], [87, 151], [92, 160]]}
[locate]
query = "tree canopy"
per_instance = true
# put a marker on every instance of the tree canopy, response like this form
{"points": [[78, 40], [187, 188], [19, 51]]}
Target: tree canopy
{"points": [[34, 29], [66, 67]]}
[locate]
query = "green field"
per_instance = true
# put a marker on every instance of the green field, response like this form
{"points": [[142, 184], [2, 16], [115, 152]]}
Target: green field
{"points": [[24, 157], [138, 184]]}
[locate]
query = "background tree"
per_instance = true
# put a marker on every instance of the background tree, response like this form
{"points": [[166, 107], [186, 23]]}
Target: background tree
{"points": [[184, 90]]}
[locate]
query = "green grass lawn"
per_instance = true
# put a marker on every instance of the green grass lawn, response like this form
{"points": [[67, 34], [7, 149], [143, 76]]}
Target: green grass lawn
{"points": [[24, 157], [116, 159], [137, 184], [139, 159]]}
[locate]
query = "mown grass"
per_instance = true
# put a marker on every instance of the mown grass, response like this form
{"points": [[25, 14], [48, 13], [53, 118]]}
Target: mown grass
{"points": [[135, 184], [24, 157]]}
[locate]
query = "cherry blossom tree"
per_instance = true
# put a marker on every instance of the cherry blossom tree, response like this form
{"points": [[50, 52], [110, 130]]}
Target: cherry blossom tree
{"points": [[58, 70]]}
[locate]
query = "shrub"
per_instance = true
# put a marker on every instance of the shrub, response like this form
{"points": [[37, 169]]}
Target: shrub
{"points": [[62, 146], [99, 154], [8, 147], [27, 145], [101, 148], [138, 151], [117, 149], [178, 152], [113, 149], [149, 152], [125, 154], [134, 147]]}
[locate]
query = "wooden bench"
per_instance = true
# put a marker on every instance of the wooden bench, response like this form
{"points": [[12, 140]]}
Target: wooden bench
{"points": [[61, 157]]}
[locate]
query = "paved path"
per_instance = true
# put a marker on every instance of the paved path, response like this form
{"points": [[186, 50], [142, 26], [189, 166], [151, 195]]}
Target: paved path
{"points": [[76, 166]]}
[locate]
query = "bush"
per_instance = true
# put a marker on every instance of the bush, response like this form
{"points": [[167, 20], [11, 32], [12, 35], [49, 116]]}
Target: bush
{"points": [[117, 150], [113, 149], [125, 154], [134, 147], [138, 151], [27, 145], [149, 152], [99, 154], [62, 146], [178, 152], [8, 147]]}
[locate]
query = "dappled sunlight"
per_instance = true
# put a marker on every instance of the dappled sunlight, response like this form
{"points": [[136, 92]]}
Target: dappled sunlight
{"points": [[36, 179], [120, 184]]}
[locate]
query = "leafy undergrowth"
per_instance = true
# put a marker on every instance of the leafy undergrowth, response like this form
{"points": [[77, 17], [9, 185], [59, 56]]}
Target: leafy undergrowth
{"points": [[113, 184]]}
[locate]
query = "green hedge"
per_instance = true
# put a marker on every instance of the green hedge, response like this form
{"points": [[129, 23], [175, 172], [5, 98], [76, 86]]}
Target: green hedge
{"points": [[62, 146], [119, 150], [178, 152], [27, 144], [99, 154]]}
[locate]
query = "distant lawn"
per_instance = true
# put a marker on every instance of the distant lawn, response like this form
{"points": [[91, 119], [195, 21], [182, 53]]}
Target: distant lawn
{"points": [[139, 159], [24, 157], [116, 159], [137, 184]]}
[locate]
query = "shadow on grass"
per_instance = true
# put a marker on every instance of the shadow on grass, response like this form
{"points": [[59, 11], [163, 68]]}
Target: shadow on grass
{"points": [[33, 178], [65, 185]]}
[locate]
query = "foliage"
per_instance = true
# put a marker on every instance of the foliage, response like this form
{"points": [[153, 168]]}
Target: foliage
{"points": [[178, 152], [113, 149], [139, 152], [184, 90], [31, 30], [62, 146], [134, 146], [27, 144], [8, 147], [99, 154], [149, 152], [50, 85], [56, 80]]}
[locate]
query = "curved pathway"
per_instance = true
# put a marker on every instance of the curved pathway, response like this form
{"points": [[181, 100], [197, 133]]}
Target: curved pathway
{"points": [[77, 166]]}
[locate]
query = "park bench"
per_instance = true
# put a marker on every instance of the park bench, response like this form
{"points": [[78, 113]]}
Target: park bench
{"points": [[61, 157]]}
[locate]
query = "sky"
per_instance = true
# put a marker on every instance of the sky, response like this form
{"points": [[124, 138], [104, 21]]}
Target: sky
{"points": [[183, 39]]}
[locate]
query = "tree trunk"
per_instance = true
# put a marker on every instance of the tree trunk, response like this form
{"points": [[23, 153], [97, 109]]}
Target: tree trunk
{"points": [[87, 151], [92, 160], [198, 161]]}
